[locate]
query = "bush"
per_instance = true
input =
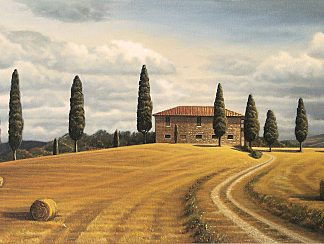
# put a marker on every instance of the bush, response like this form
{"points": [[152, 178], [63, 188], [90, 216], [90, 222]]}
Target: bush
{"points": [[196, 224], [256, 154]]}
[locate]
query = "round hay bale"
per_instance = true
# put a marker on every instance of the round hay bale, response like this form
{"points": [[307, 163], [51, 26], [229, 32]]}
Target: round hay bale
{"points": [[1, 181], [43, 209], [322, 190]]}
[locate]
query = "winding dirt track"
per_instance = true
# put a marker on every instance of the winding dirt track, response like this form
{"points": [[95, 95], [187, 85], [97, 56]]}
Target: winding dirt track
{"points": [[222, 196]]}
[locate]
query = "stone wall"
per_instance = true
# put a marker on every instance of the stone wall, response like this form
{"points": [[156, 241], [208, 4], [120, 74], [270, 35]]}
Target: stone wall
{"points": [[188, 130]]}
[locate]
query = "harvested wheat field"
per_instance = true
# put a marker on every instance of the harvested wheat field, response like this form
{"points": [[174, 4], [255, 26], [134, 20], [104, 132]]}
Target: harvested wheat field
{"points": [[129, 194], [295, 176]]}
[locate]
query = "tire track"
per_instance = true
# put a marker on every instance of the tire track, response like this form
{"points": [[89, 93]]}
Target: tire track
{"points": [[252, 231]]}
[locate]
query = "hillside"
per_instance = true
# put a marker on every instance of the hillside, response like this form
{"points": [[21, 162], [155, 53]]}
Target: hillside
{"points": [[132, 194], [295, 177], [315, 141], [28, 149], [100, 139]]}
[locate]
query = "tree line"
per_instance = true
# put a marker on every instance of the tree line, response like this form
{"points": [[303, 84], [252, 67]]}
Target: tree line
{"points": [[76, 113], [144, 116], [252, 125]]}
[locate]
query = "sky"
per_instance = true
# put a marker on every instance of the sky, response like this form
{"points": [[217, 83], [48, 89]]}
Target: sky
{"points": [[271, 49]]}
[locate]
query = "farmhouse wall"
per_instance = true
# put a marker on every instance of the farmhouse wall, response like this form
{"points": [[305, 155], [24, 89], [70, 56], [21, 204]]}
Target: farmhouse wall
{"points": [[189, 132]]}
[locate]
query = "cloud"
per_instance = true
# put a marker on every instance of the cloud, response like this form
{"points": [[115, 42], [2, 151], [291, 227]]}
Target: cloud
{"points": [[317, 46], [116, 57], [9, 52], [284, 67], [236, 65], [70, 11]]}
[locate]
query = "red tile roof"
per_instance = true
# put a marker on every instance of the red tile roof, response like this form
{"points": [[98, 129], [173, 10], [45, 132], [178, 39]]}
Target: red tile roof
{"points": [[195, 111]]}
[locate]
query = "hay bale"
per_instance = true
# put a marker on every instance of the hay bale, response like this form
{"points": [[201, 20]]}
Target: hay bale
{"points": [[43, 210], [1, 181], [322, 190]]}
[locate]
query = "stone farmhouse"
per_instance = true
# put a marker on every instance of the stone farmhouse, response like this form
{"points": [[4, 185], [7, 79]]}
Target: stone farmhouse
{"points": [[195, 125]]}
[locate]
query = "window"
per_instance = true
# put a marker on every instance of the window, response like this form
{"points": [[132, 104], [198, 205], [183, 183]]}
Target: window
{"points": [[214, 137], [242, 123], [198, 136], [167, 136], [167, 121], [198, 121], [183, 137], [230, 137]]}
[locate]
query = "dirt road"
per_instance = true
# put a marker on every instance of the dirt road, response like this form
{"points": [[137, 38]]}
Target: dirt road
{"points": [[255, 223]]}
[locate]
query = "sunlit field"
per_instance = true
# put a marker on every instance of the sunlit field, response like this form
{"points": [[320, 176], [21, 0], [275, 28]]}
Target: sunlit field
{"points": [[295, 176], [132, 194]]}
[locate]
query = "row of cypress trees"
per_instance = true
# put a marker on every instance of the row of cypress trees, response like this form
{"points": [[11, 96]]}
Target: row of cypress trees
{"points": [[144, 116], [16, 121], [77, 113], [252, 125]]}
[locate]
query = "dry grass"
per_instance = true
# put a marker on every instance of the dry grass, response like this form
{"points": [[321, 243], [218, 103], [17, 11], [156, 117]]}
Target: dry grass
{"points": [[130, 194], [295, 177]]}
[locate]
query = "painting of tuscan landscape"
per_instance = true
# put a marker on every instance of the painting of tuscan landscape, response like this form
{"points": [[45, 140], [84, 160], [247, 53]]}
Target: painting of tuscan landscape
{"points": [[161, 121]]}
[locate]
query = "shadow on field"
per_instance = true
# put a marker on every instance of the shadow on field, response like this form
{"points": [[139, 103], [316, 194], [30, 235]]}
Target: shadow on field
{"points": [[16, 215], [238, 148], [207, 145], [307, 197], [319, 151], [280, 150]]}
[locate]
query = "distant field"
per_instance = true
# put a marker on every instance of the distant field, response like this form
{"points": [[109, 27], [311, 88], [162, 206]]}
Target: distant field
{"points": [[132, 194], [296, 177]]}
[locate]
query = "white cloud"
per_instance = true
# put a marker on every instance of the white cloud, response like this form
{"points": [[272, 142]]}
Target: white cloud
{"points": [[284, 67], [317, 46], [116, 57], [9, 52]]}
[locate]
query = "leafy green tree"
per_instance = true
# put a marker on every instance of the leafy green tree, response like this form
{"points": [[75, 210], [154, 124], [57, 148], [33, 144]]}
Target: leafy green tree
{"points": [[116, 138], [55, 147], [219, 120], [76, 116], [175, 134], [16, 122], [144, 106], [301, 129], [251, 122], [270, 133]]}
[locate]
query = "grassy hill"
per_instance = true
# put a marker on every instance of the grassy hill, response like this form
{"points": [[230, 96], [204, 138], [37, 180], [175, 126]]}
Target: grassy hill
{"points": [[100, 139], [315, 141], [296, 177], [132, 194]]}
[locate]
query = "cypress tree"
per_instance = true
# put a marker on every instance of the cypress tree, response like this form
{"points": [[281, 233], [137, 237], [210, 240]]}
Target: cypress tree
{"points": [[16, 122], [251, 122], [220, 120], [270, 133], [144, 106], [301, 128], [55, 147], [76, 116], [175, 134], [116, 138]]}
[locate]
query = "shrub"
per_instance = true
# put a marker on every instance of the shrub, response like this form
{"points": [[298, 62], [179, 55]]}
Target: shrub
{"points": [[256, 154], [196, 224]]}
